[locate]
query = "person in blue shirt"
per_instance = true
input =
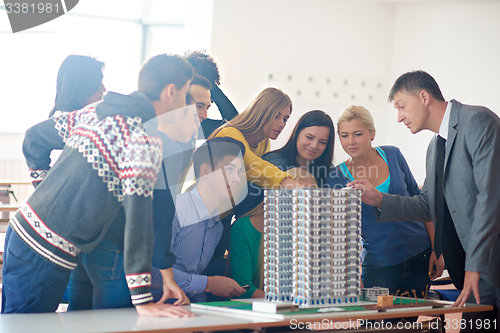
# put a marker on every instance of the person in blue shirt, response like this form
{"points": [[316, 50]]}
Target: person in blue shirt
{"points": [[196, 227], [396, 255]]}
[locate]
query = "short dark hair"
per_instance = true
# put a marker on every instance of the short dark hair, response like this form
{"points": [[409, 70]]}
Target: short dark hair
{"points": [[201, 81], [162, 70], [189, 99], [214, 150], [414, 82], [79, 77], [204, 65]]}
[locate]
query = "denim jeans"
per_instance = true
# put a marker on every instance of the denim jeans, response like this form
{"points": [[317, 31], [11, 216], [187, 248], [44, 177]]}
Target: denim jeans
{"points": [[413, 274], [31, 284], [99, 280], [406, 276]]}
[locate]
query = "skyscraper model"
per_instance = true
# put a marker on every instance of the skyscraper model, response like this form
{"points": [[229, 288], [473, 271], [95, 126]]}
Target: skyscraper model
{"points": [[312, 246]]}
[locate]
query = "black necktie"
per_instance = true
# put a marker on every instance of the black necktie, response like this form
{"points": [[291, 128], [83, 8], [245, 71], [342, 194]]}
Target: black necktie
{"points": [[438, 239], [446, 240]]}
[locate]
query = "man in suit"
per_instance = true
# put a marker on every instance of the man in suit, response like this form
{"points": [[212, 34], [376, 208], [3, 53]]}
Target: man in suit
{"points": [[461, 192]]}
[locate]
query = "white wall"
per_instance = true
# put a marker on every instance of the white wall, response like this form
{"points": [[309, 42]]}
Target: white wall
{"points": [[358, 40], [341, 40], [458, 43], [31, 58]]}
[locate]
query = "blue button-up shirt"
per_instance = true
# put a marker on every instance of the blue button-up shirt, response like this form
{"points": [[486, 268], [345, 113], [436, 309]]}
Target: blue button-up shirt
{"points": [[195, 234]]}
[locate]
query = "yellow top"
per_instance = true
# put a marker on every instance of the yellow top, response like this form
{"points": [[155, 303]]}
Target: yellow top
{"points": [[258, 171]]}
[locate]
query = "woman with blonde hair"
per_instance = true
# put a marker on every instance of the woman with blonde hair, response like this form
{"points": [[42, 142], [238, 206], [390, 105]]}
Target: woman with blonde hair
{"points": [[396, 255], [262, 121]]}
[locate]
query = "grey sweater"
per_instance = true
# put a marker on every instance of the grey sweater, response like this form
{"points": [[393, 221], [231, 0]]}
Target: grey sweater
{"points": [[108, 162]]}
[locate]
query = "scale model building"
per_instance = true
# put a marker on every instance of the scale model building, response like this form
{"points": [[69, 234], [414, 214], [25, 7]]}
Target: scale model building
{"points": [[312, 246], [371, 294]]}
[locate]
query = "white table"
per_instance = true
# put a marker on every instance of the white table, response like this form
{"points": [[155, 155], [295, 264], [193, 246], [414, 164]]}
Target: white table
{"points": [[127, 320], [117, 320]]}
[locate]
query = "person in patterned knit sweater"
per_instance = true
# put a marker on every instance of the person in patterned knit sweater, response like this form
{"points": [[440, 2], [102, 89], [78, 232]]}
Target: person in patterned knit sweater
{"points": [[110, 160]]}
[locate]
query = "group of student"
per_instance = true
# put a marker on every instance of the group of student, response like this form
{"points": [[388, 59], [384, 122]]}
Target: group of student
{"points": [[108, 223]]}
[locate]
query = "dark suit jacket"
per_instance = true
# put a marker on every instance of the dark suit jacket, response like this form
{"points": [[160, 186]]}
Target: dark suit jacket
{"points": [[471, 188]]}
